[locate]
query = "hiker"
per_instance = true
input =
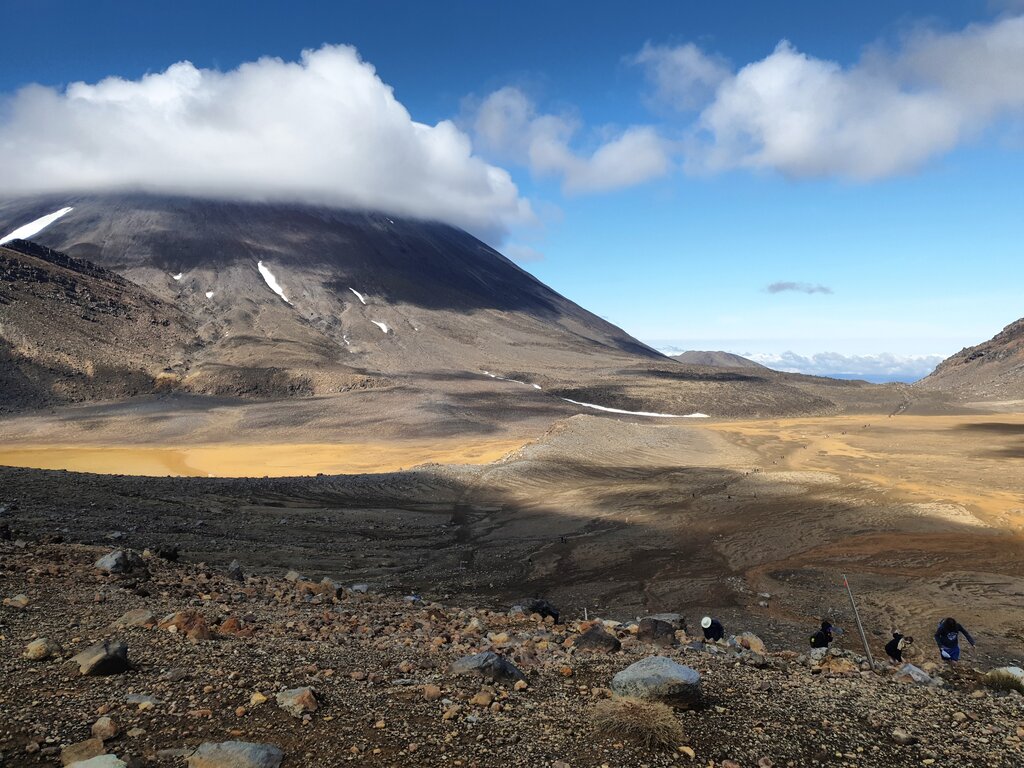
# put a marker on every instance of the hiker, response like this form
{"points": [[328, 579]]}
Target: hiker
{"points": [[713, 629], [823, 637], [947, 637], [894, 648]]}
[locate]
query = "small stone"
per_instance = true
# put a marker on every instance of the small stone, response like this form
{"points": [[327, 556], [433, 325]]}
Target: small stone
{"points": [[256, 699], [521, 685], [101, 761], [597, 640], [138, 617], [656, 632], [451, 712], [105, 728], [107, 657], [81, 751], [904, 737], [120, 561], [298, 701], [688, 751], [18, 602], [235, 754], [488, 665], [751, 642], [431, 692], [41, 649], [565, 670], [482, 699], [235, 571]]}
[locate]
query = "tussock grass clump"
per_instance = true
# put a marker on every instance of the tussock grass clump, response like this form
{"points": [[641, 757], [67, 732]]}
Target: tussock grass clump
{"points": [[1001, 680], [648, 723]]}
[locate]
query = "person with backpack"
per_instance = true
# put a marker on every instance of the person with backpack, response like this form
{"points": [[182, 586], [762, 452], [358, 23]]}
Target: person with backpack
{"points": [[895, 647], [713, 629], [947, 637], [823, 637]]}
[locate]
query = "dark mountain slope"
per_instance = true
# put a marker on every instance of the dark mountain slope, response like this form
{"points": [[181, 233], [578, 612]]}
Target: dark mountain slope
{"points": [[70, 330], [992, 370]]}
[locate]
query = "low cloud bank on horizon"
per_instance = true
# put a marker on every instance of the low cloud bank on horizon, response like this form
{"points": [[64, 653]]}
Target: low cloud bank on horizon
{"points": [[883, 366], [325, 129]]}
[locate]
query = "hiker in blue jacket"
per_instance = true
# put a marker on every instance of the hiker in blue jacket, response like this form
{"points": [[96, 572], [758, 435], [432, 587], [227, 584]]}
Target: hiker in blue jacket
{"points": [[947, 637]]}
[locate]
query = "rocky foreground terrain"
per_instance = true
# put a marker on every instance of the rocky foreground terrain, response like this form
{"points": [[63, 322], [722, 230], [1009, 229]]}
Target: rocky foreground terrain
{"points": [[112, 658]]}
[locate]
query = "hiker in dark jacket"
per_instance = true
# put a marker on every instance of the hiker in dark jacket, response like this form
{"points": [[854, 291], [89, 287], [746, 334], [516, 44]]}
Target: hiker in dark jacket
{"points": [[947, 637], [713, 629], [894, 648], [823, 637]]}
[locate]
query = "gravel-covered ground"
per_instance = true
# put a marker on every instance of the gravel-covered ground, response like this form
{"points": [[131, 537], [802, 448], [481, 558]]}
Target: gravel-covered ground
{"points": [[372, 659]]}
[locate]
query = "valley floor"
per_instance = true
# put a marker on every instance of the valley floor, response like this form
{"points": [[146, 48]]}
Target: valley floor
{"points": [[615, 515]]}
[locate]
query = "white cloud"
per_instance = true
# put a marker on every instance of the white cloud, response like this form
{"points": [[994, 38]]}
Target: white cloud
{"points": [[684, 77], [888, 113], [324, 129], [507, 124], [883, 366]]}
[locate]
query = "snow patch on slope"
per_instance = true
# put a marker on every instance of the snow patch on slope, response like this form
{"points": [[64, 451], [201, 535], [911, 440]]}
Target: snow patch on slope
{"points": [[514, 381], [178, 276], [358, 295], [26, 231], [638, 413], [270, 280], [382, 326], [209, 294]]}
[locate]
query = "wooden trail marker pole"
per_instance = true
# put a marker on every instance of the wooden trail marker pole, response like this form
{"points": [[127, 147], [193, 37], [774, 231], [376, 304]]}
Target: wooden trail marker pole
{"points": [[860, 627]]}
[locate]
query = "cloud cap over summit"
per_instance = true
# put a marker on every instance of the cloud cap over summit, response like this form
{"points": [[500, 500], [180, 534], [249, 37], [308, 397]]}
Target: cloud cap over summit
{"points": [[325, 129]]}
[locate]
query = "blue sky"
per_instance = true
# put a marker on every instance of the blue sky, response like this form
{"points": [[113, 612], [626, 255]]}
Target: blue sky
{"points": [[662, 165]]}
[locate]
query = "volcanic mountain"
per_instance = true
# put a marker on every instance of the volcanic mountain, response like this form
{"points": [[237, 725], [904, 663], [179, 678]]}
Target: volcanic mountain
{"points": [[992, 370], [275, 300], [715, 359]]}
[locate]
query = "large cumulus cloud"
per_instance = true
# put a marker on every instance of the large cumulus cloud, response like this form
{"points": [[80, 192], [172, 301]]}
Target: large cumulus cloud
{"points": [[323, 129], [886, 114]]}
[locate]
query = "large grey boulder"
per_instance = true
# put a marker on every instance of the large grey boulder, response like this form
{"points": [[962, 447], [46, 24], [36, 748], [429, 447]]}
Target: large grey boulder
{"points": [[107, 657], [235, 754], [661, 679], [120, 561], [488, 665]]}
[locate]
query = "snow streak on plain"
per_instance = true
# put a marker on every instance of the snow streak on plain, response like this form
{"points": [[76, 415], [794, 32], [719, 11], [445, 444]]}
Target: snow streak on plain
{"points": [[26, 231], [639, 413], [382, 326], [358, 295]]}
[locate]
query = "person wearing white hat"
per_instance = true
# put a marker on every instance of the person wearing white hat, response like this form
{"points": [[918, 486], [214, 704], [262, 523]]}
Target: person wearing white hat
{"points": [[713, 629]]}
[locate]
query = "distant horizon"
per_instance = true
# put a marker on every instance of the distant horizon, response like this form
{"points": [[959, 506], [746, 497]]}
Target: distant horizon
{"points": [[874, 369]]}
